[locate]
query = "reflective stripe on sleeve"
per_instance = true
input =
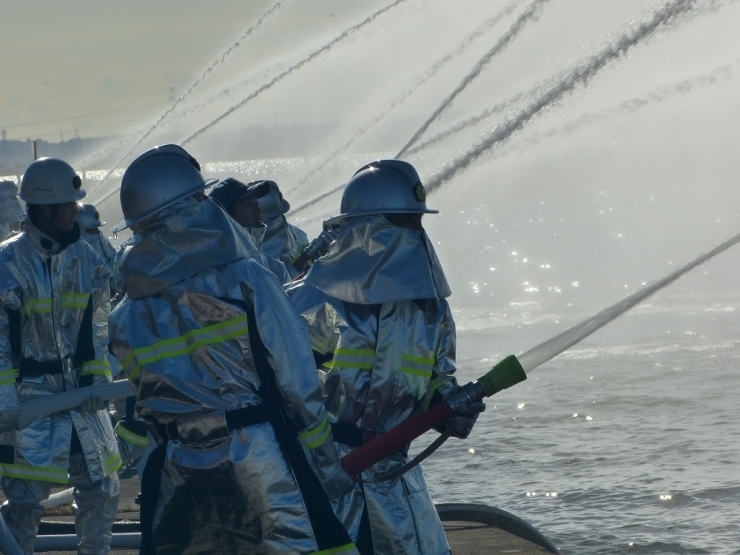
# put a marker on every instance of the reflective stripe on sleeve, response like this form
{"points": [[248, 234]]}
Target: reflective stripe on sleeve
{"points": [[349, 548], [352, 358], [418, 366], [39, 306], [113, 463], [96, 367], [434, 385], [127, 435], [185, 344], [315, 437], [75, 300], [7, 377]]}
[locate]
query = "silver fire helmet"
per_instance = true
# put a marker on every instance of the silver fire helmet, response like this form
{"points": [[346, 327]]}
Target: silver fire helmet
{"points": [[87, 217], [272, 204], [155, 180], [383, 187], [51, 181]]}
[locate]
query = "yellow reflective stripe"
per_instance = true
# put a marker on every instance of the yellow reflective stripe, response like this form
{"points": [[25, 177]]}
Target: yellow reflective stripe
{"points": [[25, 472], [352, 358], [311, 439], [185, 344], [114, 463], [349, 548], [135, 439], [417, 366], [75, 300], [434, 385], [7, 377], [96, 367], [40, 306], [416, 371], [421, 360]]}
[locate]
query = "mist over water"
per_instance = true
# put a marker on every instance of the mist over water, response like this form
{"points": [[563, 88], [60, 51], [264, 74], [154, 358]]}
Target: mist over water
{"points": [[592, 155]]}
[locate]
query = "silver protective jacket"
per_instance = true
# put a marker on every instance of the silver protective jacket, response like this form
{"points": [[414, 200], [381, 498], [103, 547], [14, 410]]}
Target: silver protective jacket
{"points": [[277, 267], [197, 301], [382, 363], [102, 246], [6, 230], [285, 242], [54, 305]]}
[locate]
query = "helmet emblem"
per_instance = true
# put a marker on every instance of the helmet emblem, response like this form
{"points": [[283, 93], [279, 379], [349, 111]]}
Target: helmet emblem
{"points": [[420, 193], [76, 182]]}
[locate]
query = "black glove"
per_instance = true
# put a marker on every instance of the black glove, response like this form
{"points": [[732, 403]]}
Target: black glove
{"points": [[319, 246], [466, 413]]}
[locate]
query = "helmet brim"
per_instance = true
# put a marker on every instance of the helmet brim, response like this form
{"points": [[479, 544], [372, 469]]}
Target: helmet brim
{"points": [[284, 209], [124, 223], [342, 217]]}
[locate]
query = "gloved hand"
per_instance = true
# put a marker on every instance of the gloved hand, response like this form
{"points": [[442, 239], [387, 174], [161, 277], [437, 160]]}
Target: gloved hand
{"points": [[319, 246], [339, 484], [466, 413], [92, 404], [9, 419]]}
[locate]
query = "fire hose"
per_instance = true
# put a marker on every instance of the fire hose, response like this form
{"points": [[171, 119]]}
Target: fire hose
{"points": [[510, 371]]}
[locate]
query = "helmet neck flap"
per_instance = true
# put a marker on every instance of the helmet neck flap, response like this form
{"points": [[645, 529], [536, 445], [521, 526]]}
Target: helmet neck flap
{"points": [[194, 235], [374, 262]]}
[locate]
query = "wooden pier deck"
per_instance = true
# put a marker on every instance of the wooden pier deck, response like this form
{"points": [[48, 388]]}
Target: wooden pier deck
{"points": [[498, 532]]}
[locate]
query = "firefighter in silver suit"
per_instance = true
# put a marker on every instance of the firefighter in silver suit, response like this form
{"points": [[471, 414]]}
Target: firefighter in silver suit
{"points": [[282, 240], [11, 213], [88, 219], [383, 332], [223, 373], [54, 305], [241, 203]]}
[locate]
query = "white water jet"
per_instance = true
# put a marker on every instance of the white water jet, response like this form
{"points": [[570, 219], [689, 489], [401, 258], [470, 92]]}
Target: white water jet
{"points": [[529, 14], [712, 78], [298, 65], [549, 349], [218, 61], [580, 74], [425, 76]]}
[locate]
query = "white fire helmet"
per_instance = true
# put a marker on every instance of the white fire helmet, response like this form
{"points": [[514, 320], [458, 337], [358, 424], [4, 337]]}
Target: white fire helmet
{"points": [[51, 181], [383, 187]]}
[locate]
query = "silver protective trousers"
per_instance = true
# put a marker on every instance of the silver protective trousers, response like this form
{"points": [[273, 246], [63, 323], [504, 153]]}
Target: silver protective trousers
{"points": [[97, 503]]}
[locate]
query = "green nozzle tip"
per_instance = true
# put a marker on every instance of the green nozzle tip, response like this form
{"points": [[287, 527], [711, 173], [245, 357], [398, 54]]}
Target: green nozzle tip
{"points": [[503, 375]]}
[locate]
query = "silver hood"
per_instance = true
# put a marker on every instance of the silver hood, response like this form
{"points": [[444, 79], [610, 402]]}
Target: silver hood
{"points": [[164, 258], [11, 210], [374, 262]]}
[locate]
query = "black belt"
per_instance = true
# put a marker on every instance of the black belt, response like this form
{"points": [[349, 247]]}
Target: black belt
{"points": [[351, 435], [235, 419], [31, 367]]}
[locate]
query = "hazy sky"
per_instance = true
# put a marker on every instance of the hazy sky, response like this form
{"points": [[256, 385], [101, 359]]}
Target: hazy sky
{"points": [[65, 59], [649, 141]]}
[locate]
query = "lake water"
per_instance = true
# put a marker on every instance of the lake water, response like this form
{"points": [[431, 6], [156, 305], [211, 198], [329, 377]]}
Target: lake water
{"points": [[627, 443]]}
